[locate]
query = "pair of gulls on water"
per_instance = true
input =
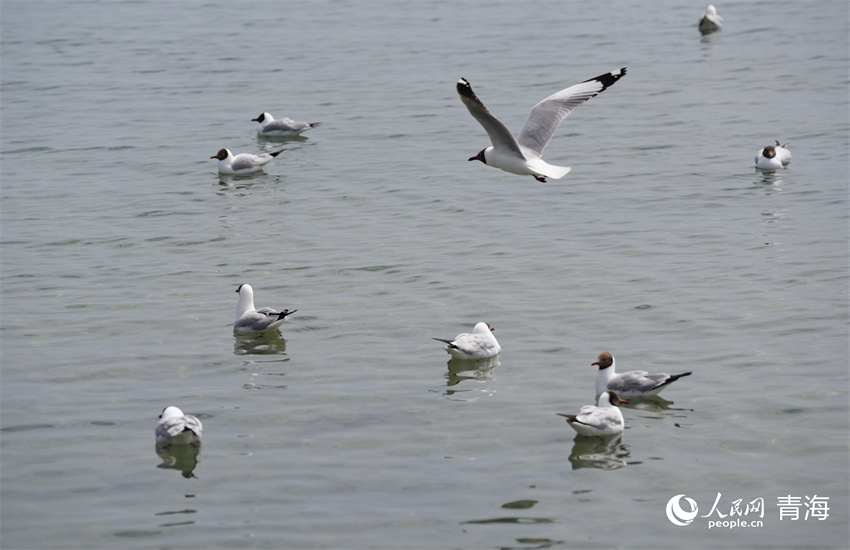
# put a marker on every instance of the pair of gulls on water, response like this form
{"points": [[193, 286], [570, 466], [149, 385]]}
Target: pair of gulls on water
{"points": [[767, 158], [176, 428], [268, 126], [605, 418]]}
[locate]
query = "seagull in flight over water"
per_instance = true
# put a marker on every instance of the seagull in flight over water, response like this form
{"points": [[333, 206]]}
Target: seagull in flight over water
{"points": [[522, 154]]}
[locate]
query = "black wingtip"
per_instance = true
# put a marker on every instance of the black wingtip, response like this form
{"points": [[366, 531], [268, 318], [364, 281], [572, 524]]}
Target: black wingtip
{"points": [[608, 79], [284, 313], [276, 153]]}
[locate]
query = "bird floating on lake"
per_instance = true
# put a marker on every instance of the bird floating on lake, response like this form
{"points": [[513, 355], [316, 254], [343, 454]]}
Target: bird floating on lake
{"points": [[249, 319], [243, 163], [176, 428], [601, 420], [522, 154], [773, 157], [480, 344], [636, 383], [710, 21], [267, 125]]}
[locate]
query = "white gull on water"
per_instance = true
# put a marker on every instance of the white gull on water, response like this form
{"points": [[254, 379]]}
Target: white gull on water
{"points": [[522, 154], [243, 163], [773, 157], [480, 344], [636, 383], [267, 125], [176, 428], [249, 319], [710, 20], [600, 420]]}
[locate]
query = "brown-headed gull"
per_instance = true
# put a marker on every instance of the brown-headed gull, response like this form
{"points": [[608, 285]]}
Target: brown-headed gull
{"points": [[267, 125], [710, 21], [481, 344], [600, 420], [522, 154], [243, 163], [249, 319], [773, 157], [176, 428], [636, 383]]}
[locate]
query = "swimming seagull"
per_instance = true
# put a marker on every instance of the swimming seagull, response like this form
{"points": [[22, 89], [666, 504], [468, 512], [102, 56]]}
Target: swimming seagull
{"points": [[710, 21], [176, 428], [249, 319], [773, 158], [267, 125], [600, 420], [243, 163], [522, 155], [636, 383], [481, 344]]}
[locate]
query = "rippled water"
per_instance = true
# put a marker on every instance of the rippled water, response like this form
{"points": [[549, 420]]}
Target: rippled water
{"points": [[122, 248]]}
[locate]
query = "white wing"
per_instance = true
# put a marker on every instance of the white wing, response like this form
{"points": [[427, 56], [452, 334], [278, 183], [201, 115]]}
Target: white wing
{"points": [[264, 318], [172, 427], [285, 125], [475, 345], [500, 136], [547, 115]]}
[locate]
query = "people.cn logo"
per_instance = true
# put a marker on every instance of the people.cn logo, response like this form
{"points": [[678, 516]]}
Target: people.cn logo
{"points": [[677, 515]]}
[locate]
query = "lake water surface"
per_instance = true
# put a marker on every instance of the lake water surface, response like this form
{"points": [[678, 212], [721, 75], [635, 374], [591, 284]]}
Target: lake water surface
{"points": [[122, 248]]}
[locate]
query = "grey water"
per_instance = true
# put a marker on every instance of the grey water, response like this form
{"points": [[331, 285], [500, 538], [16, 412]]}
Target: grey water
{"points": [[122, 248]]}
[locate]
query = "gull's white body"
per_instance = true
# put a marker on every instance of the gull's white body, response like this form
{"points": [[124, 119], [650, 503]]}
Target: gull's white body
{"points": [[480, 344], [601, 420], [636, 383], [522, 154], [527, 165], [267, 125], [176, 428], [249, 319], [773, 157], [243, 163], [710, 21]]}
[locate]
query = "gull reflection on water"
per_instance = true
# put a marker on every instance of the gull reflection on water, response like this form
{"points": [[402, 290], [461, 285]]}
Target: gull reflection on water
{"points": [[772, 179], [179, 457], [461, 370], [601, 453], [263, 343]]}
